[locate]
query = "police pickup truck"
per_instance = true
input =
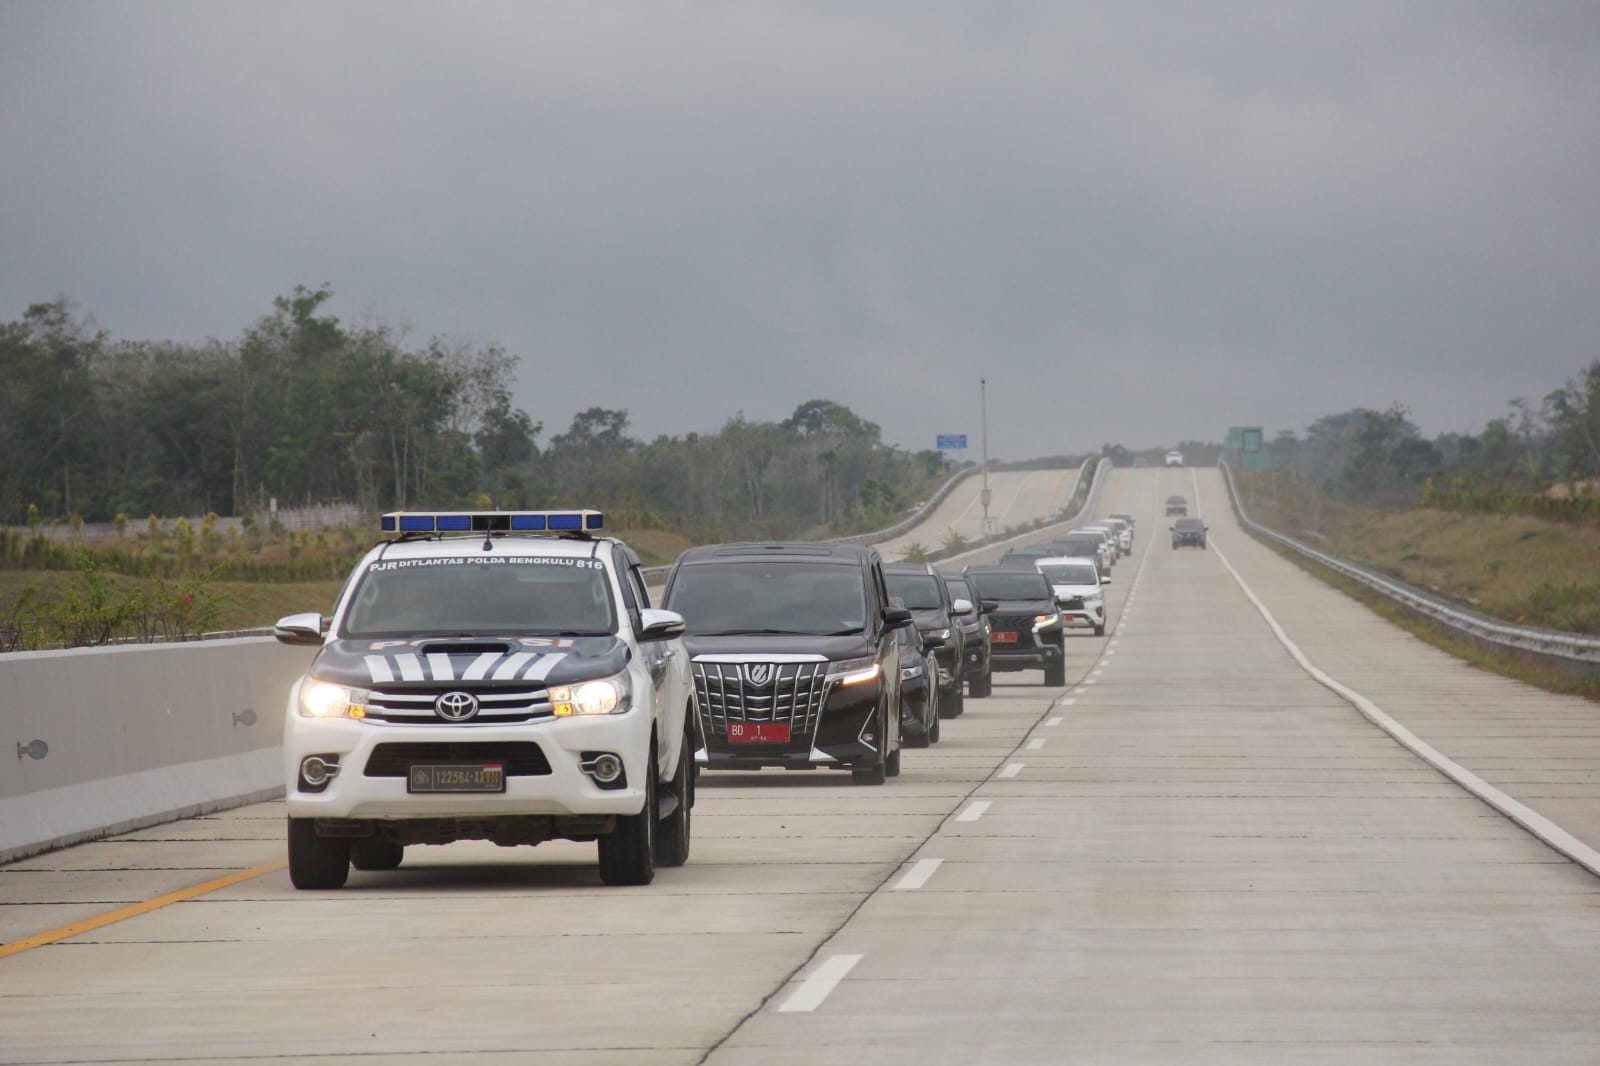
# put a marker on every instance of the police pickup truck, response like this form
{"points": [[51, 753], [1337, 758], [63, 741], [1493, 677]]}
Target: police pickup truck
{"points": [[492, 676]]}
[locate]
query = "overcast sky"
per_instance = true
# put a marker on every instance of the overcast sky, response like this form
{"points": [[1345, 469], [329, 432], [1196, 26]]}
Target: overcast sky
{"points": [[1141, 222]]}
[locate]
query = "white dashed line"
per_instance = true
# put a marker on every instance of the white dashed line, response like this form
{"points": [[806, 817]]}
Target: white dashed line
{"points": [[917, 876], [1036, 743], [974, 811], [814, 989], [1054, 721], [1011, 769]]}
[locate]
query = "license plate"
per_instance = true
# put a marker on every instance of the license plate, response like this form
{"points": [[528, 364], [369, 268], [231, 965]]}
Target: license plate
{"points": [[1003, 638], [454, 777], [758, 732]]}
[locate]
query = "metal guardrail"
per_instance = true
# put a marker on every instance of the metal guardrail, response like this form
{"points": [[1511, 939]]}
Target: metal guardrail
{"points": [[1574, 651], [656, 572]]}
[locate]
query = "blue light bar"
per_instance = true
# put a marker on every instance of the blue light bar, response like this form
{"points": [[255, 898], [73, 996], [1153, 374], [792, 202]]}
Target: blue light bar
{"points": [[580, 521]]}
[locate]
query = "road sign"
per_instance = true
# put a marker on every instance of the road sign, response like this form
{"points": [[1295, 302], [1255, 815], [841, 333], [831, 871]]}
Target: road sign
{"points": [[1251, 438], [951, 441]]}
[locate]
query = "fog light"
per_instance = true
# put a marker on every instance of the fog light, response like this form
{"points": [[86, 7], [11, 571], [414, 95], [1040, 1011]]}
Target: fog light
{"points": [[606, 768], [316, 771]]}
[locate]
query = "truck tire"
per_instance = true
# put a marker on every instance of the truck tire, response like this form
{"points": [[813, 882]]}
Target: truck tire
{"points": [[316, 862], [628, 852], [375, 853], [672, 833]]}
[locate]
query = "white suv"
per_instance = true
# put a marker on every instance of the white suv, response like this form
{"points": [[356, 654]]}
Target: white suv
{"points": [[496, 676], [1174, 458], [1079, 594]]}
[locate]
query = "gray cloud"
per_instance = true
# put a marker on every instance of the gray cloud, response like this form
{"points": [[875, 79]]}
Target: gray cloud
{"points": [[1141, 222]]}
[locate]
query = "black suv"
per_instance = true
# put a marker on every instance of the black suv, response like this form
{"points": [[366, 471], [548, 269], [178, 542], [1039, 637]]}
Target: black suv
{"points": [[1177, 505], [1188, 531], [974, 634], [793, 656], [934, 611], [1025, 628]]}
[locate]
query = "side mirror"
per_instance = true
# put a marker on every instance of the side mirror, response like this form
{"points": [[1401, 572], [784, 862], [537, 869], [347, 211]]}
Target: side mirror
{"points": [[990, 606], [308, 628], [657, 624], [896, 616], [1106, 580], [961, 606]]}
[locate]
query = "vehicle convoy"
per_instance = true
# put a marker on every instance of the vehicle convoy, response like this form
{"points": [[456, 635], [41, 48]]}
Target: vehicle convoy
{"points": [[935, 613], [491, 676], [1025, 626], [1076, 584], [974, 628], [793, 656], [1188, 532], [1177, 505]]}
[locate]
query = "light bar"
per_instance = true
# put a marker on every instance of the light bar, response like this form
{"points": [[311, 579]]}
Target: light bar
{"points": [[583, 521]]}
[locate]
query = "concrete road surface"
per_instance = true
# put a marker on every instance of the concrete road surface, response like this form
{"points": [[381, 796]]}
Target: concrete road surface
{"points": [[1193, 853]]}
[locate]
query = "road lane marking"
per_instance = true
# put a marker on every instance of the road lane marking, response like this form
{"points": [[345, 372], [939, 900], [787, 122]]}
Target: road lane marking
{"points": [[1011, 769], [814, 989], [917, 876], [1054, 721], [133, 910], [974, 811], [1529, 819], [1036, 743]]}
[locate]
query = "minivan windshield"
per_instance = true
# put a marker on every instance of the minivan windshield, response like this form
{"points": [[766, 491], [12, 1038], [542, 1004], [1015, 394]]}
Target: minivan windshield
{"points": [[769, 596], [492, 595]]}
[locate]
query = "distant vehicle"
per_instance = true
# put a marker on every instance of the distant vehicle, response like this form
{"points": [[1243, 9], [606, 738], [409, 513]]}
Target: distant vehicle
{"points": [[1076, 583], [919, 710], [1177, 505], [1025, 626], [1174, 458], [933, 609], [1124, 531], [1188, 532]]}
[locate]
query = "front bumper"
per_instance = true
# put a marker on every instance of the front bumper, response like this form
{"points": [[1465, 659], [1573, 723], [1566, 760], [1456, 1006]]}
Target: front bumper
{"points": [[846, 733], [372, 784]]}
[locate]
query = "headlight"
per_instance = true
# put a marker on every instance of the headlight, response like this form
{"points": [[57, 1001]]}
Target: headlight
{"points": [[324, 699], [909, 673], [943, 634], [854, 671], [1042, 621], [1093, 597], [608, 695]]}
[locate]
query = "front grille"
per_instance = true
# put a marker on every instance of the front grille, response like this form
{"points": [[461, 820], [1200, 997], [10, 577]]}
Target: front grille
{"points": [[413, 705], [1020, 624], [794, 694], [520, 758], [1073, 603]]}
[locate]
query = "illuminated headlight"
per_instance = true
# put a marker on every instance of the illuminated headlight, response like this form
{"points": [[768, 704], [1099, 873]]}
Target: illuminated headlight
{"points": [[608, 695], [854, 671], [324, 699], [1043, 621]]}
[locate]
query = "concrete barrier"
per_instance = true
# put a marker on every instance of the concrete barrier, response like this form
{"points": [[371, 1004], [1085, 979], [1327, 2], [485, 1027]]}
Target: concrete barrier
{"points": [[96, 741]]}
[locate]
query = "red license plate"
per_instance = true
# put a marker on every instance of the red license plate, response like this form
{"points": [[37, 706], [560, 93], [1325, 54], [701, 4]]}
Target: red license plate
{"points": [[1003, 638], [758, 732]]}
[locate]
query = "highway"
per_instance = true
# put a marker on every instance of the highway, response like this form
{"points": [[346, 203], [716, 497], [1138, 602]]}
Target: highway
{"points": [[1195, 852]]}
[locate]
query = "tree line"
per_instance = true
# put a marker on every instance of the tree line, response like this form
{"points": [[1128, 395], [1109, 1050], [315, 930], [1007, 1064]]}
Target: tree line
{"points": [[305, 409]]}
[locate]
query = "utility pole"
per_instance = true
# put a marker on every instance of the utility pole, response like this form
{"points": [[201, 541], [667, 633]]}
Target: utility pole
{"points": [[983, 418]]}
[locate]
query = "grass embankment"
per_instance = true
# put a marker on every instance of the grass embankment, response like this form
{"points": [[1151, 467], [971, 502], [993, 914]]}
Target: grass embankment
{"points": [[1525, 570], [225, 604]]}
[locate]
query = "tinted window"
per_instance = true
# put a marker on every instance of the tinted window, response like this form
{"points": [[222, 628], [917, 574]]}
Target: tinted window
{"points": [[1189, 525], [769, 597], [1021, 585], [1070, 575], [958, 589], [919, 591], [496, 595]]}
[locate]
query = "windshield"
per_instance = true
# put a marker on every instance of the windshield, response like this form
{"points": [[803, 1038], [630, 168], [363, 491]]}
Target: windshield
{"points": [[492, 595], [1018, 585], [919, 591], [1070, 575], [808, 598], [957, 587]]}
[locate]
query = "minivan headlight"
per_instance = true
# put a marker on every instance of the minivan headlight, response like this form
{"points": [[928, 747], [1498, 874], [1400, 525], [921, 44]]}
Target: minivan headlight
{"points": [[854, 671]]}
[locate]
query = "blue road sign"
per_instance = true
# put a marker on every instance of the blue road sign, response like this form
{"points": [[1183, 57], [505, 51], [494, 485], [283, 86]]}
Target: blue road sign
{"points": [[952, 440]]}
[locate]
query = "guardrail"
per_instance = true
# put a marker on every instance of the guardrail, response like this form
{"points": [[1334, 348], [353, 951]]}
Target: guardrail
{"points": [[1572, 651], [656, 572]]}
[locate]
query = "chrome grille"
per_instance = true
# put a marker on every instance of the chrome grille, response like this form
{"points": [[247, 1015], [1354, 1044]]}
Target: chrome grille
{"points": [[496, 704], [794, 695]]}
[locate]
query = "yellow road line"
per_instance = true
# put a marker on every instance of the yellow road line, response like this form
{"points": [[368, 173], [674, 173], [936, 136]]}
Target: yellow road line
{"points": [[133, 910]]}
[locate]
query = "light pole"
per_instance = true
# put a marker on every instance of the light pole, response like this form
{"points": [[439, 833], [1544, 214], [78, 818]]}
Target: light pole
{"points": [[983, 420]]}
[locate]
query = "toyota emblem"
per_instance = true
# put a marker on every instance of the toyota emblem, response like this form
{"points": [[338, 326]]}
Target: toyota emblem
{"points": [[456, 706]]}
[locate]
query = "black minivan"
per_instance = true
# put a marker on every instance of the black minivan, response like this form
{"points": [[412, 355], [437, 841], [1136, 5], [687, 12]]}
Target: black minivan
{"points": [[793, 655]]}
